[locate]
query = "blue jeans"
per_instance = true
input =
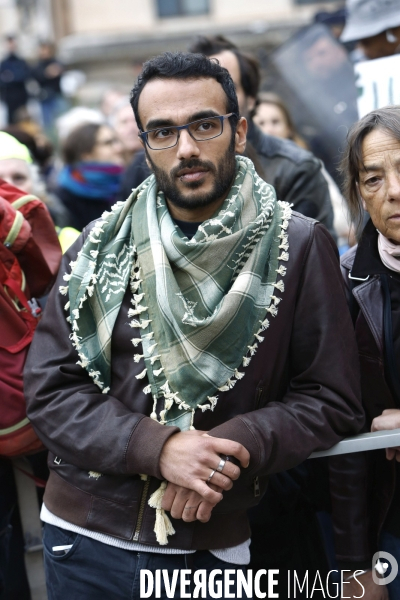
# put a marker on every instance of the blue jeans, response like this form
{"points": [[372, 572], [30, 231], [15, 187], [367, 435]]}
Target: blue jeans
{"points": [[91, 570], [391, 543]]}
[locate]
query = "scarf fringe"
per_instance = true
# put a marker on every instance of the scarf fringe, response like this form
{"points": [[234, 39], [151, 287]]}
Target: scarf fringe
{"points": [[275, 300], [111, 283], [163, 526]]}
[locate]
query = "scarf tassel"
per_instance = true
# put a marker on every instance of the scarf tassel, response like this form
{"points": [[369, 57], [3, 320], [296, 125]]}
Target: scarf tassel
{"points": [[163, 526], [141, 375]]}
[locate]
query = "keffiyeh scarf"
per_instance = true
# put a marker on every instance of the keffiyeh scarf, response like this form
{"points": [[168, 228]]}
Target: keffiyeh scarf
{"points": [[201, 305]]}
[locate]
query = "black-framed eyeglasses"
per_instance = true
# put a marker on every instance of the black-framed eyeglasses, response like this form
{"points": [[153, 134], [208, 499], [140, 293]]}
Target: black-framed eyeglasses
{"points": [[201, 130]]}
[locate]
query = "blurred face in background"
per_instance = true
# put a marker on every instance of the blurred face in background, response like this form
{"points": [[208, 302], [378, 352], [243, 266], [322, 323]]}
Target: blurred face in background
{"points": [[378, 46], [324, 58], [125, 126], [107, 148], [11, 45], [16, 172], [271, 120], [229, 61]]}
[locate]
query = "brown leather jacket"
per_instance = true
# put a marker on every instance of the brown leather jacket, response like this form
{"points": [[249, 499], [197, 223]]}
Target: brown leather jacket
{"points": [[362, 484], [300, 394]]}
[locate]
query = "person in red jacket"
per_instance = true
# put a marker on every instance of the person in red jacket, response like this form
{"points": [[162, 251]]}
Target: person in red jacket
{"points": [[29, 258]]}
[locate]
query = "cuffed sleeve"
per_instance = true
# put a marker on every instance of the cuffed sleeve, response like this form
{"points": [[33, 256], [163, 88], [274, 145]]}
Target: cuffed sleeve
{"points": [[150, 437]]}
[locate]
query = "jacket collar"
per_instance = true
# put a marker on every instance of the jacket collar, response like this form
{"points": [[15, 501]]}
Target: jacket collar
{"points": [[367, 261]]}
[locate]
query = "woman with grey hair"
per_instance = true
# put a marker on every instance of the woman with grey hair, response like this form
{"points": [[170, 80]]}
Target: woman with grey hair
{"points": [[365, 487]]}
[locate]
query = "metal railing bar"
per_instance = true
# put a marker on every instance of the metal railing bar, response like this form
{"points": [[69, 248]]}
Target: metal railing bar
{"points": [[362, 443]]}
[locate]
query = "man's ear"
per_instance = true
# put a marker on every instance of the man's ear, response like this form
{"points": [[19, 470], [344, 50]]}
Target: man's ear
{"points": [[241, 135]]}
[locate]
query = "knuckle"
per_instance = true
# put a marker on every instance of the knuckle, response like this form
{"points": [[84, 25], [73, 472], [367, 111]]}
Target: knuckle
{"points": [[174, 513], [235, 473], [203, 457], [204, 518], [209, 495], [187, 518], [183, 494], [236, 447], [226, 483]]}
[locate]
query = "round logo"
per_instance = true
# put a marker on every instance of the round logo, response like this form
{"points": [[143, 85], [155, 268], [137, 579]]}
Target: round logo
{"points": [[384, 562]]}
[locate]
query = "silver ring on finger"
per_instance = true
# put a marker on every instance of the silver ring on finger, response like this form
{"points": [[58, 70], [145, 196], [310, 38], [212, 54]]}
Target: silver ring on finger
{"points": [[211, 475], [221, 465]]}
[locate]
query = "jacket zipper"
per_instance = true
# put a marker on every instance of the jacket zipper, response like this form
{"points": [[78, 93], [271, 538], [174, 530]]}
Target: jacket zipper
{"points": [[256, 486], [256, 481], [141, 509], [259, 394]]}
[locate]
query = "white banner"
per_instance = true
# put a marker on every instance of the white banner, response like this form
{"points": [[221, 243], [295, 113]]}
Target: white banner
{"points": [[378, 83]]}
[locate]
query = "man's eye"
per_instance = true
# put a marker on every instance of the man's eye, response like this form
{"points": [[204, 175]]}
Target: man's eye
{"points": [[206, 126], [162, 133], [19, 178]]}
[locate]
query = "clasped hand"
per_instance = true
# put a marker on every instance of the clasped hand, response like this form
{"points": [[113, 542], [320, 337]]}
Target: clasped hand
{"points": [[186, 462], [389, 419]]}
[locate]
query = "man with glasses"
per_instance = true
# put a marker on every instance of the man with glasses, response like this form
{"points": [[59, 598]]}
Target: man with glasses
{"points": [[202, 343], [294, 172]]}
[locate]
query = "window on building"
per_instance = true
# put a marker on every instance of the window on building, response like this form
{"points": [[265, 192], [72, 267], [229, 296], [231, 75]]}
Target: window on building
{"points": [[182, 8], [312, 1]]}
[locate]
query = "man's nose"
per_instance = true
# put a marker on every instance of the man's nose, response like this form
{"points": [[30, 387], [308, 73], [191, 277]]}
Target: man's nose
{"points": [[187, 146]]}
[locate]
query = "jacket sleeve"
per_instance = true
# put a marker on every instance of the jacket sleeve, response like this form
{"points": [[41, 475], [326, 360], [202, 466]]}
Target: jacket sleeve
{"points": [[308, 191], [75, 421], [348, 481], [30, 235], [322, 402]]}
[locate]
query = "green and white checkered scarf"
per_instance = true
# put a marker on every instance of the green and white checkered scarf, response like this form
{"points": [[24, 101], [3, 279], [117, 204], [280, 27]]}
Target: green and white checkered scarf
{"points": [[201, 304]]}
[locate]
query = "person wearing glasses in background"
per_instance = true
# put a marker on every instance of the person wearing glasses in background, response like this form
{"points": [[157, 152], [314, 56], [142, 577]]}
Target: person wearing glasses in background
{"points": [[183, 372]]}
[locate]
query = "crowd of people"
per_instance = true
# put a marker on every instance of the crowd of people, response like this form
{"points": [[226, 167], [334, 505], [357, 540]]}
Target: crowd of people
{"points": [[201, 338]]}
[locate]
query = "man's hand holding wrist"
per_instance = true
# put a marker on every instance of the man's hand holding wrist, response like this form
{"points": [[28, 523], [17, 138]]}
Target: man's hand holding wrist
{"points": [[188, 458]]}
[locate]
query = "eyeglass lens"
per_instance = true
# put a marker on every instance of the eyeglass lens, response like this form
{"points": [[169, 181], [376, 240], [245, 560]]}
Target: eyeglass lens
{"points": [[166, 137]]}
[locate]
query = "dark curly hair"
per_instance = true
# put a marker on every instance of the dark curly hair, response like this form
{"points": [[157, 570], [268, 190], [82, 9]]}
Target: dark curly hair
{"points": [[185, 65]]}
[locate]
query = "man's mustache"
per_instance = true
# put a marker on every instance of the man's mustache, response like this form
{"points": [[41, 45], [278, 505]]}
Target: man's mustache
{"points": [[192, 163]]}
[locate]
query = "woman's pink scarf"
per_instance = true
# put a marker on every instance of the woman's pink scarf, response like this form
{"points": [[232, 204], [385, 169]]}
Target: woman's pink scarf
{"points": [[389, 253]]}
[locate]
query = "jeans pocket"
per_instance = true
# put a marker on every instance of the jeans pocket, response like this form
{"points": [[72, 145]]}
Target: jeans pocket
{"points": [[60, 544]]}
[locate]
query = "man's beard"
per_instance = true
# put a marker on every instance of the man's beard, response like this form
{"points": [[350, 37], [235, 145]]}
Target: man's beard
{"points": [[223, 173]]}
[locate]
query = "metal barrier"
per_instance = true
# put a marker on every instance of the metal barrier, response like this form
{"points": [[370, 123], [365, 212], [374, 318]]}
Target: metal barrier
{"points": [[360, 443]]}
